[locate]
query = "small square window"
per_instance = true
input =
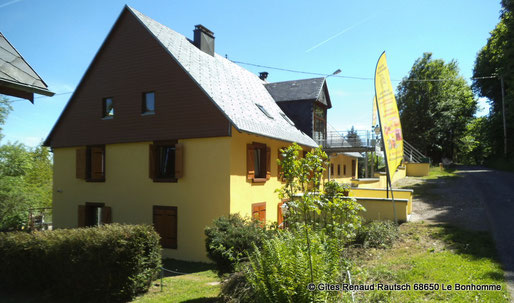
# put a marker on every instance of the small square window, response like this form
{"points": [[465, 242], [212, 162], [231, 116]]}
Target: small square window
{"points": [[108, 108], [148, 105]]}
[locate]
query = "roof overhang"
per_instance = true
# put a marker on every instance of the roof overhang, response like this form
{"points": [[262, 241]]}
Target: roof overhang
{"points": [[21, 90]]}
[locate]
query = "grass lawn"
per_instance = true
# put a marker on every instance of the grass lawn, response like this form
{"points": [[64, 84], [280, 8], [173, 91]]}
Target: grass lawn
{"points": [[202, 285], [432, 254]]}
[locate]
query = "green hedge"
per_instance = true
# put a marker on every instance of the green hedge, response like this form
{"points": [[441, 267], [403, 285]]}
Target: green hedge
{"points": [[111, 263]]}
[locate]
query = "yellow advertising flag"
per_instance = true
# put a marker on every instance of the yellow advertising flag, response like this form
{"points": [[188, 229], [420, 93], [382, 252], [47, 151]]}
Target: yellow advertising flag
{"points": [[389, 117]]}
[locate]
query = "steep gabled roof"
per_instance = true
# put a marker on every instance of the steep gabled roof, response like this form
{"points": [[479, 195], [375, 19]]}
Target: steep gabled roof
{"points": [[16, 73], [297, 90], [234, 90]]}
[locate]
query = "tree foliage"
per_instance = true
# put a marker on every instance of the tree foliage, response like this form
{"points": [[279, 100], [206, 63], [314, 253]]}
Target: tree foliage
{"points": [[495, 58], [434, 114]]}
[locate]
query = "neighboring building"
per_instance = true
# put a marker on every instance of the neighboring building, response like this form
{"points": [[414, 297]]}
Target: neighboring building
{"points": [[306, 103], [163, 130], [17, 78]]}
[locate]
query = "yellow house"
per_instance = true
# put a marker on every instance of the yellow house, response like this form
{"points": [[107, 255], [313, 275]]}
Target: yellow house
{"points": [[162, 130]]}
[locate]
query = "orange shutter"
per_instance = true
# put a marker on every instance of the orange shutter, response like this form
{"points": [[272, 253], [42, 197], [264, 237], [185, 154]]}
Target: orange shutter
{"points": [[259, 212], [80, 163], [280, 216], [106, 215], [179, 160], [268, 163], [151, 161], [82, 216], [97, 163], [250, 162]]}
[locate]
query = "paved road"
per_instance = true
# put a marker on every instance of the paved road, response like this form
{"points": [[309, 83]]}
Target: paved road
{"points": [[480, 199], [497, 195]]}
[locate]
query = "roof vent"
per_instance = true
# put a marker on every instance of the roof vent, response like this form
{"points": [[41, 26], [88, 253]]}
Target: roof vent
{"points": [[204, 39], [263, 75]]}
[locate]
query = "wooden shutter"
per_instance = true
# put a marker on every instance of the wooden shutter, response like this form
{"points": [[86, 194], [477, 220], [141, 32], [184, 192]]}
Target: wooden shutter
{"points": [[97, 163], [179, 160], [259, 211], [80, 163], [354, 168], [268, 163], [250, 162], [280, 216], [106, 215], [165, 223], [151, 161], [344, 169], [82, 216], [332, 173]]}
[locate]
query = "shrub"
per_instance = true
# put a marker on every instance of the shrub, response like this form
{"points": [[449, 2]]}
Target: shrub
{"points": [[378, 234], [108, 263], [279, 271], [230, 238]]}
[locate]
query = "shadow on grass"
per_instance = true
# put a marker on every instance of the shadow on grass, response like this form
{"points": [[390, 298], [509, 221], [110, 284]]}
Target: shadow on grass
{"points": [[202, 300], [477, 244], [185, 267]]}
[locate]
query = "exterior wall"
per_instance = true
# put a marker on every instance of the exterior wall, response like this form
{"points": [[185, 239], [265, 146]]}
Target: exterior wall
{"points": [[342, 160], [382, 193], [243, 193], [382, 209], [200, 196], [417, 169], [301, 113], [399, 174], [129, 63]]}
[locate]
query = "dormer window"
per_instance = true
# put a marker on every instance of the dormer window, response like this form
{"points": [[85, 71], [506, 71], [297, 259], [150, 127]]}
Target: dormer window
{"points": [[264, 111], [287, 119], [148, 104], [107, 108]]}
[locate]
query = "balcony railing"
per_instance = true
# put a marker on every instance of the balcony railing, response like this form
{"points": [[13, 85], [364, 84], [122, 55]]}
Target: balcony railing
{"points": [[357, 140]]}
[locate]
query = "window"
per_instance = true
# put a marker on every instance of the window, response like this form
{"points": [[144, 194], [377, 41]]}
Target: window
{"points": [[90, 163], [259, 212], [94, 214], [165, 224], [107, 108], [320, 123], [332, 172], [165, 161], [344, 169], [264, 111], [338, 169], [287, 119], [258, 159], [148, 104]]}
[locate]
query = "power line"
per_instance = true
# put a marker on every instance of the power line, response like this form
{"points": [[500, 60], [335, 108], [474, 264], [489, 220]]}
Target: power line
{"points": [[355, 77], [38, 97]]}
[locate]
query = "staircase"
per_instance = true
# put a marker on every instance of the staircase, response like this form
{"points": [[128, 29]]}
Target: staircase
{"points": [[412, 155]]}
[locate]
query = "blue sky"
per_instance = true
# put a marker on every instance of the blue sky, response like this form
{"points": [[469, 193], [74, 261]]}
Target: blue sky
{"points": [[60, 38]]}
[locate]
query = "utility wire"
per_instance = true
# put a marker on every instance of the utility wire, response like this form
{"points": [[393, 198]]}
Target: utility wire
{"points": [[354, 77]]}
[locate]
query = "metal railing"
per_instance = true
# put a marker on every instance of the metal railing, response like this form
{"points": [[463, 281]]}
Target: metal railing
{"points": [[348, 139], [411, 154]]}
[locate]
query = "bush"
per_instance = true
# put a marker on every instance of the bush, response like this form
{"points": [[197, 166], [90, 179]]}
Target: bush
{"points": [[230, 238], [279, 271], [378, 234], [108, 263]]}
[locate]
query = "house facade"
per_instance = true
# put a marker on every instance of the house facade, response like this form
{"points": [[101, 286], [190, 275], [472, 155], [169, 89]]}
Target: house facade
{"points": [[162, 130]]}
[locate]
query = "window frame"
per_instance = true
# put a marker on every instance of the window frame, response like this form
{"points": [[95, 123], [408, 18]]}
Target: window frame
{"points": [[323, 120], [144, 111], [86, 210], [105, 114], [154, 151], [265, 162], [89, 160]]}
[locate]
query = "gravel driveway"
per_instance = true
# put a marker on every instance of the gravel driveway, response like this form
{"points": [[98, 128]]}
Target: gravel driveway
{"points": [[478, 199]]}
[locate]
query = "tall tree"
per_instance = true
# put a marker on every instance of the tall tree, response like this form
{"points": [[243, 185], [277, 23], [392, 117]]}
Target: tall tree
{"points": [[434, 114], [495, 58]]}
